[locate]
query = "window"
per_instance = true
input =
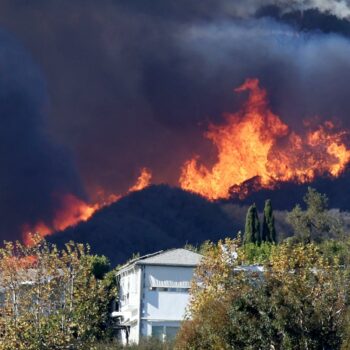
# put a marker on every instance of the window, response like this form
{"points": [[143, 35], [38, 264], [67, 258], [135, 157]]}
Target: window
{"points": [[158, 332], [2, 299], [170, 332], [164, 332], [179, 290], [175, 290]]}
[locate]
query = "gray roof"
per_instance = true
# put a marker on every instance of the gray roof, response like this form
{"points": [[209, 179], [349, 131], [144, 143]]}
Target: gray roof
{"points": [[171, 257]]}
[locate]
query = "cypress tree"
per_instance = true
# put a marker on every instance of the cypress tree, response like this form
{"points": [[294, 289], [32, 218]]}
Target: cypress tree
{"points": [[268, 230], [252, 226]]}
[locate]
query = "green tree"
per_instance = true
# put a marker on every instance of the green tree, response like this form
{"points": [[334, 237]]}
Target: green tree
{"points": [[299, 301], [252, 226], [315, 222], [100, 265], [268, 230], [251, 253]]}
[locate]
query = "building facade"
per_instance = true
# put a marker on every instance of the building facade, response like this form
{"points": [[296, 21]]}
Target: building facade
{"points": [[154, 294]]}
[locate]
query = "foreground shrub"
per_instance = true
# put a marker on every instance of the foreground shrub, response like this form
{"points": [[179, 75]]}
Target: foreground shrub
{"points": [[51, 297], [300, 301], [145, 344]]}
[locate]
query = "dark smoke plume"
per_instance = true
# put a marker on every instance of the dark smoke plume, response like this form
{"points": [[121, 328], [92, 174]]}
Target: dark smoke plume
{"points": [[34, 171], [135, 83]]}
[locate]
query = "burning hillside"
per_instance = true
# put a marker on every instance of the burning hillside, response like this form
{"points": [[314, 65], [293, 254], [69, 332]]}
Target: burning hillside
{"points": [[255, 150], [255, 144], [155, 218], [74, 210]]}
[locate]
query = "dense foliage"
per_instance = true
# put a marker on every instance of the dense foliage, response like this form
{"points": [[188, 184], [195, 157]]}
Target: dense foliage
{"points": [[297, 297], [299, 301], [315, 223], [145, 344], [52, 298]]}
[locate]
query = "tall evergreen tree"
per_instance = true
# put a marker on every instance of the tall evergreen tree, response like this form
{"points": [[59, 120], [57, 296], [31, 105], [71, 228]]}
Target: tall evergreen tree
{"points": [[252, 226], [268, 230]]}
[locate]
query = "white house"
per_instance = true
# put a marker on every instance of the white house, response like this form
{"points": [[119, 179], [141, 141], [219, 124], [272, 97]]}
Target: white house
{"points": [[154, 294]]}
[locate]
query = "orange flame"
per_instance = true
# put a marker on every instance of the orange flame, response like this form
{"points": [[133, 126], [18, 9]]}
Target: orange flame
{"points": [[143, 180], [74, 210], [255, 144]]}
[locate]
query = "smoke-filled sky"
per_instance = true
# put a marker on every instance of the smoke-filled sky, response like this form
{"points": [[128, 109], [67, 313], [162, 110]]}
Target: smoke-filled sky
{"points": [[92, 91]]}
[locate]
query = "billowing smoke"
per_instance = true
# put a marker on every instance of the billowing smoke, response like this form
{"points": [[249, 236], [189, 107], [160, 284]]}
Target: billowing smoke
{"points": [[134, 84], [35, 172]]}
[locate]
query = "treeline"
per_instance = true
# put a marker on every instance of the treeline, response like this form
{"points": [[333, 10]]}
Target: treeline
{"points": [[314, 223], [254, 293]]}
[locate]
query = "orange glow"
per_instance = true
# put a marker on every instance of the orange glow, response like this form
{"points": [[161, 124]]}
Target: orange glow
{"points": [[74, 210], [254, 144], [40, 228]]}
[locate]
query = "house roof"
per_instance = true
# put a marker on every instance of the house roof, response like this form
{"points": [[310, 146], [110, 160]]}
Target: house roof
{"points": [[171, 257]]}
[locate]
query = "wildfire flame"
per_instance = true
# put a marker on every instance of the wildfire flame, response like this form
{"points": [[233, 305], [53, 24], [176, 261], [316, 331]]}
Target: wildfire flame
{"points": [[254, 143], [255, 149], [143, 180], [74, 210]]}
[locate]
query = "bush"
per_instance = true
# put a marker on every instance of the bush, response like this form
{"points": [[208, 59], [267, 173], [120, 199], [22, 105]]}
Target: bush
{"points": [[252, 253], [145, 344], [300, 301], [51, 298]]}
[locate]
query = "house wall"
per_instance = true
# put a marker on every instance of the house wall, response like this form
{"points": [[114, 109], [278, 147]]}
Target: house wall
{"points": [[129, 292], [165, 296], [129, 302], [162, 293], [163, 305]]}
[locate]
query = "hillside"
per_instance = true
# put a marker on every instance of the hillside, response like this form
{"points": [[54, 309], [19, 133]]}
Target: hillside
{"points": [[158, 217]]}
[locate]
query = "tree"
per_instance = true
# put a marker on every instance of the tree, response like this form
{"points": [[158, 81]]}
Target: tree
{"points": [[214, 270], [299, 301], [251, 253], [252, 226], [51, 298], [208, 296], [268, 230], [100, 265], [316, 222]]}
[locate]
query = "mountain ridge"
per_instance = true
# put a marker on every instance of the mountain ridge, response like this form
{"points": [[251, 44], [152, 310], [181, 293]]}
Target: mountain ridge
{"points": [[155, 218]]}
